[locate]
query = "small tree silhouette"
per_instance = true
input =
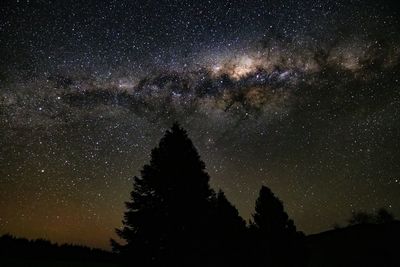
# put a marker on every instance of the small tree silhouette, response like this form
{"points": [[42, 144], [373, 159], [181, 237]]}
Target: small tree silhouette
{"points": [[384, 216], [168, 219], [275, 235]]}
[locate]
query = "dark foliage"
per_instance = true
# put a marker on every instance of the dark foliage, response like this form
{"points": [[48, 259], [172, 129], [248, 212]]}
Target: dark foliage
{"points": [[380, 217], [276, 242], [384, 216], [40, 249], [169, 218], [229, 233], [361, 217]]}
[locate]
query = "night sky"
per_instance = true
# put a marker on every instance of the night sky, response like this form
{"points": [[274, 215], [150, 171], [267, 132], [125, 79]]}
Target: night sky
{"points": [[301, 96]]}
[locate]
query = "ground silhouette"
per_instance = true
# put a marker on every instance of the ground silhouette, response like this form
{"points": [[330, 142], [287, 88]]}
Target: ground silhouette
{"points": [[361, 245], [40, 252]]}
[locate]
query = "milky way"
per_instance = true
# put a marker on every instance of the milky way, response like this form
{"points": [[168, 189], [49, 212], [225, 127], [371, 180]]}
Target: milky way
{"points": [[302, 97]]}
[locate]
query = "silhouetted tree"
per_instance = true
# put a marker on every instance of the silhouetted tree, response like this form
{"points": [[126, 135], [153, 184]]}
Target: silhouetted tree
{"points": [[276, 240], [229, 233], [361, 217], [168, 219]]}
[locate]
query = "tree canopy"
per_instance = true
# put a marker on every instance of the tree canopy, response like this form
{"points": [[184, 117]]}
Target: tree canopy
{"points": [[168, 218]]}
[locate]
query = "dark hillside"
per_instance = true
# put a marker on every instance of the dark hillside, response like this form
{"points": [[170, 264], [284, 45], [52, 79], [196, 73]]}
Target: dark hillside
{"points": [[358, 245], [23, 252]]}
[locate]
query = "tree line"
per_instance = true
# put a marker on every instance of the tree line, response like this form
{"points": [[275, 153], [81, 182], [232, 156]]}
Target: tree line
{"points": [[15, 248], [174, 218]]}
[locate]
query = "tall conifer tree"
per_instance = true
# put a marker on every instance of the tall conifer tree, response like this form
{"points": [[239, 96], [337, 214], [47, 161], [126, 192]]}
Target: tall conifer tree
{"points": [[168, 218]]}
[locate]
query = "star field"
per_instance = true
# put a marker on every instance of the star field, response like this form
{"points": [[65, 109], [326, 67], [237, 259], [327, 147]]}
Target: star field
{"points": [[302, 96]]}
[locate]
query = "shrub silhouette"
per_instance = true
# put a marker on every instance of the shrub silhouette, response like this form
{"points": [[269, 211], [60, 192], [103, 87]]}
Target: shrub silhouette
{"points": [[382, 216], [361, 217]]}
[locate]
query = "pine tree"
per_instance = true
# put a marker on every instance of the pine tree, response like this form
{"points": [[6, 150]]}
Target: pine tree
{"points": [[167, 222], [227, 214], [229, 233], [274, 234]]}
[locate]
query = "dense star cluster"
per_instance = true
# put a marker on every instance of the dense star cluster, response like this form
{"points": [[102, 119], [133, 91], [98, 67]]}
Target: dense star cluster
{"points": [[302, 96]]}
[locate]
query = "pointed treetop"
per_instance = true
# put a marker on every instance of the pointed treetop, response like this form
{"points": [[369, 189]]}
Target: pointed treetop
{"points": [[270, 215], [177, 127]]}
